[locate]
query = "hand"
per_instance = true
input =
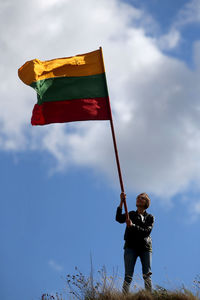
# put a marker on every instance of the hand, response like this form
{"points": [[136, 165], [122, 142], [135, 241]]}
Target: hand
{"points": [[129, 223], [123, 197]]}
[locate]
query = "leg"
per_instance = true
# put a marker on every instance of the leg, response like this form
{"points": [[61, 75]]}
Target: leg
{"points": [[130, 257], [146, 258]]}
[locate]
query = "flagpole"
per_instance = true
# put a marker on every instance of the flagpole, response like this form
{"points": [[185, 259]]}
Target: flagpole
{"points": [[115, 145]]}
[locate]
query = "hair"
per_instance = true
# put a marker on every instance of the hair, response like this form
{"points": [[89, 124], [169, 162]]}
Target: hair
{"points": [[148, 200]]}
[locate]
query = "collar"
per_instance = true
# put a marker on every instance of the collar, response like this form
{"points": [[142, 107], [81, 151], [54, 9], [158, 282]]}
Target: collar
{"points": [[144, 214]]}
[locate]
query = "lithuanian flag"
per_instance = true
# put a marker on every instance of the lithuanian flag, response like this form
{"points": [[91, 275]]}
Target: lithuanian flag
{"points": [[68, 89]]}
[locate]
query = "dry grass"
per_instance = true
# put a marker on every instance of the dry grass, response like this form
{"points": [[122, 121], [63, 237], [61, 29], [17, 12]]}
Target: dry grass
{"points": [[141, 295], [81, 287]]}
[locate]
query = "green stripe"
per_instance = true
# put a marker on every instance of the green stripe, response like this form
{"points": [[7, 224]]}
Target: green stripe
{"points": [[68, 88]]}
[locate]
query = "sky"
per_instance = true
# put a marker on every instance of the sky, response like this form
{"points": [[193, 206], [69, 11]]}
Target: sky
{"points": [[59, 183]]}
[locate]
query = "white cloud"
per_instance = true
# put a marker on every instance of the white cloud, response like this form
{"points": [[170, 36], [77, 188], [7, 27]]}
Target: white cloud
{"points": [[170, 40], [54, 265], [197, 208], [192, 203], [154, 98], [189, 14]]}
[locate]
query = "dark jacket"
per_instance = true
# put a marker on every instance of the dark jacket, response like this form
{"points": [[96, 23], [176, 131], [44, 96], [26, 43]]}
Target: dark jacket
{"points": [[138, 235]]}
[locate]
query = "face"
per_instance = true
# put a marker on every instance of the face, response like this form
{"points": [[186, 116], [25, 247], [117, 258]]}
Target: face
{"points": [[141, 201]]}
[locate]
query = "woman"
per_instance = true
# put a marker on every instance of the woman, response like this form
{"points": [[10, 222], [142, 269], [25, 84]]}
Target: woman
{"points": [[137, 240]]}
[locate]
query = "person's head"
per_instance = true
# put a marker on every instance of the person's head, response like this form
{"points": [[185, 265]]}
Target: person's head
{"points": [[143, 200]]}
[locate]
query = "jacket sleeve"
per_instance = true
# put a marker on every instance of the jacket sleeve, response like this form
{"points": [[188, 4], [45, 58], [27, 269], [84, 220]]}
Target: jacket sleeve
{"points": [[146, 230], [121, 218]]}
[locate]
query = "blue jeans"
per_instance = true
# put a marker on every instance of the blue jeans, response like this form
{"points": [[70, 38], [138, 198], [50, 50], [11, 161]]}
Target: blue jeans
{"points": [[130, 257]]}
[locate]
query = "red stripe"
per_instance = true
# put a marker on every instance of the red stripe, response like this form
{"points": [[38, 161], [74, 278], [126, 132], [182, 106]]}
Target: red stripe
{"points": [[71, 110]]}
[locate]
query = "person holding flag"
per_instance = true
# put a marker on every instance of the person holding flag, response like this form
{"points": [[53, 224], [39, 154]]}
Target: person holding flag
{"points": [[74, 88], [137, 238]]}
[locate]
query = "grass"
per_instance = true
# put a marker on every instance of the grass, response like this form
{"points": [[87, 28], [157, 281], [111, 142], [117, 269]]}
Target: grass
{"points": [[81, 287]]}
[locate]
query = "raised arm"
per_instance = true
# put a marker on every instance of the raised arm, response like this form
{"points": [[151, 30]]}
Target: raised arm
{"points": [[121, 218]]}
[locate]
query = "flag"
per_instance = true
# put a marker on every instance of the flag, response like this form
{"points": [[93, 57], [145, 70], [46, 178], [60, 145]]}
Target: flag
{"points": [[68, 89]]}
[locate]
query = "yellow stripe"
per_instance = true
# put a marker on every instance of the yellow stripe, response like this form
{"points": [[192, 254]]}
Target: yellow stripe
{"points": [[80, 65]]}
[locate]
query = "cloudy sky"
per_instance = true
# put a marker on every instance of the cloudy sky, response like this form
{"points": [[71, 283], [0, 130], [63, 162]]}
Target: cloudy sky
{"points": [[59, 183]]}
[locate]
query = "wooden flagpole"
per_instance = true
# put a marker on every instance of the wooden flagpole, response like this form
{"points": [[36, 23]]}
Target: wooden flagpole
{"points": [[115, 145]]}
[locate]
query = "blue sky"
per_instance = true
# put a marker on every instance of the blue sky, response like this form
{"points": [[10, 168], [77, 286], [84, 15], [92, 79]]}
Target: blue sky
{"points": [[59, 184]]}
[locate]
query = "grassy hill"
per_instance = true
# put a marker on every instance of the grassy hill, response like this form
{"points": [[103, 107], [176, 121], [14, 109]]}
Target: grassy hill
{"points": [[141, 295], [81, 287]]}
